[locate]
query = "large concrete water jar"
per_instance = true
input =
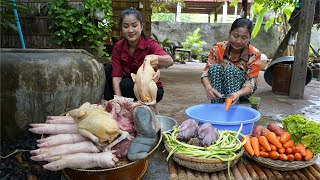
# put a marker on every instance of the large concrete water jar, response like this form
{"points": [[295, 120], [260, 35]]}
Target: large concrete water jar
{"points": [[36, 83]]}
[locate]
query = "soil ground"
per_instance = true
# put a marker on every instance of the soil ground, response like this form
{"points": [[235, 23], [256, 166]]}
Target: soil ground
{"points": [[183, 89]]}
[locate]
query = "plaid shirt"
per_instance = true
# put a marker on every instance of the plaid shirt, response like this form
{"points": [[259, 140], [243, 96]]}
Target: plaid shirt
{"points": [[249, 61]]}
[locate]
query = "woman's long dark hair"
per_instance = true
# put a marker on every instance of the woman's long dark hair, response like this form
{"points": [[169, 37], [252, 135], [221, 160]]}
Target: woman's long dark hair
{"points": [[133, 11], [242, 22]]}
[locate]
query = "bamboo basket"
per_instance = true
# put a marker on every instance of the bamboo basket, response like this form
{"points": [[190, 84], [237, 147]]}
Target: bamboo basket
{"points": [[203, 164], [282, 165]]}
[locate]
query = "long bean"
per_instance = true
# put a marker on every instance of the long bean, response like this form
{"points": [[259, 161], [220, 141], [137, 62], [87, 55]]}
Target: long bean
{"points": [[225, 148]]}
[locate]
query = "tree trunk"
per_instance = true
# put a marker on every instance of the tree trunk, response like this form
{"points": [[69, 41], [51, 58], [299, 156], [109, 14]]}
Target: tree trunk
{"points": [[299, 72]]}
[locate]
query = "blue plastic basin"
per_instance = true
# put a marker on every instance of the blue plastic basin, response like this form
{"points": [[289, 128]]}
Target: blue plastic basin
{"points": [[225, 120]]}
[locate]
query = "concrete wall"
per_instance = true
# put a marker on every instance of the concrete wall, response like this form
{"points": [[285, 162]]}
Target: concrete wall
{"points": [[266, 42]]}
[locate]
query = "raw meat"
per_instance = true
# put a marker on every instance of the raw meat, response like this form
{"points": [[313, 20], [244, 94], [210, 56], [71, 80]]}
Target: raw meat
{"points": [[145, 87], [187, 130], [207, 134]]}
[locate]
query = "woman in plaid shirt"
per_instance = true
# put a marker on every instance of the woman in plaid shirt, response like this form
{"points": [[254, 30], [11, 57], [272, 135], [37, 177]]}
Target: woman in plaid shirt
{"points": [[233, 66]]}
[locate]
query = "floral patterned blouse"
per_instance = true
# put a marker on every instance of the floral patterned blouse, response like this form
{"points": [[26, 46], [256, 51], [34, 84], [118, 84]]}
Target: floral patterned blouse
{"points": [[249, 61]]}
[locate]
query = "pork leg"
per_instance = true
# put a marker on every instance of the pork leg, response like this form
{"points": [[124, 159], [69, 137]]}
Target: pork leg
{"points": [[82, 160], [60, 139], [42, 128], [60, 120], [81, 147]]}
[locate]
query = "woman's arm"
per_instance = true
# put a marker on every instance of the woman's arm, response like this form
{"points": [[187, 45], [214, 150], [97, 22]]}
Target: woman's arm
{"points": [[116, 85], [164, 61], [160, 61], [245, 90]]}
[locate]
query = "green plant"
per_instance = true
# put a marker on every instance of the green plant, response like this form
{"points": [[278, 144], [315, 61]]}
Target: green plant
{"points": [[7, 17], [193, 43], [204, 56], [89, 24], [161, 6], [164, 44], [281, 8]]}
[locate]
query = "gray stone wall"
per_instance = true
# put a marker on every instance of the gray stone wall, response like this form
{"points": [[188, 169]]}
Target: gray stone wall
{"points": [[266, 42]]}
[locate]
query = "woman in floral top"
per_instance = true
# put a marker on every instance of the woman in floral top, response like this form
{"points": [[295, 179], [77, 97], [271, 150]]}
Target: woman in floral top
{"points": [[233, 66]]}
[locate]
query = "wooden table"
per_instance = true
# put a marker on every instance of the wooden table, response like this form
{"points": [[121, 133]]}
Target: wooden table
{"points": [[245, 169]]}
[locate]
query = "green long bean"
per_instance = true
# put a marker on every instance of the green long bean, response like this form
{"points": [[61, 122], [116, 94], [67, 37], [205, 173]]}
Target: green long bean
{"points": [[225, 148]]}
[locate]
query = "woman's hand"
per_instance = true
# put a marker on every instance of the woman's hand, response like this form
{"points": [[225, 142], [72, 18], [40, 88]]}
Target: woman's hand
{"points": [[235, 98], [154, 60], [212, 93]]}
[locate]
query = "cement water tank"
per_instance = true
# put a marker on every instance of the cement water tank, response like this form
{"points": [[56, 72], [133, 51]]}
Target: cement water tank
{"points": [[36, 83]]}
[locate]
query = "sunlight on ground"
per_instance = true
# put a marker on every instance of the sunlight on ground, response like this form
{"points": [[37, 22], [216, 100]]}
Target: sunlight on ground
{"points": [[313, 111]]}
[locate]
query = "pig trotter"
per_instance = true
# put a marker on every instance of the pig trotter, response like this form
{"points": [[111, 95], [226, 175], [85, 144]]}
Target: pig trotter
{"points": [[147, 127]]}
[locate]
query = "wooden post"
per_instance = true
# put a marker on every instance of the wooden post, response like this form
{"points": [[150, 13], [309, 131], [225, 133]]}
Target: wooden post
{"points": [[244, 8], [299, 71]]}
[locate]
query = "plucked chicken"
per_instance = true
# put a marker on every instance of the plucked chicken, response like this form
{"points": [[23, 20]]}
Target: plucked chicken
{"points": [[145, 87]]}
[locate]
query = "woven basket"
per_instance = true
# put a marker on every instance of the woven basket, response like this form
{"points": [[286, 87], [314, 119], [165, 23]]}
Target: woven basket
{"points": [[203, 164], [282, 165]]}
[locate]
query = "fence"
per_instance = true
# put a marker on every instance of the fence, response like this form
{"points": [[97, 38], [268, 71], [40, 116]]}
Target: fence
{"points": [[35, 26]]}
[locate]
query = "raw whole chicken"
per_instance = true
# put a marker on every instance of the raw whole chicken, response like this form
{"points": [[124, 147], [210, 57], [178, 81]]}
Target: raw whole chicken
{"points": [[95, 123], [145, 87]]}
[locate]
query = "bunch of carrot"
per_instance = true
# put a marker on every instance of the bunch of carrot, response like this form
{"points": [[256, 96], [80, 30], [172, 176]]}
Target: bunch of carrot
{"points": [[275, 143]]}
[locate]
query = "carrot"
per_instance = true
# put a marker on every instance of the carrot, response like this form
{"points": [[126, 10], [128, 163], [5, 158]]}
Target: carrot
{"points": [[308, 155], [290, 157], [302, 149], [255, 145], [273, 148], [282, 150], [297, 157], [283, 157], [248, 146], [295, 150], [262, 149], [272, 138], [288, 151], [264, 143], [264, 154], [285, 137], [288, 144], [228, 103], [273, 155]]}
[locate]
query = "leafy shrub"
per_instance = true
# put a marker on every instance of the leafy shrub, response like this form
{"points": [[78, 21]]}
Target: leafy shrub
{"points": [[75, 26], [204, 56], [193, 43], [164, 44]]}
